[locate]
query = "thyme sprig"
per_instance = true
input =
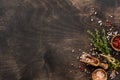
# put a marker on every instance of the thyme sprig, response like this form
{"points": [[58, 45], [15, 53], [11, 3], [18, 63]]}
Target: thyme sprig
{"points": [[100, 42]]}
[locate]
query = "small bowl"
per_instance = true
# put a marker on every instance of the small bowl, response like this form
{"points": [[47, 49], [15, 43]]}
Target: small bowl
{"points": [[99, 74], [115, 42]]}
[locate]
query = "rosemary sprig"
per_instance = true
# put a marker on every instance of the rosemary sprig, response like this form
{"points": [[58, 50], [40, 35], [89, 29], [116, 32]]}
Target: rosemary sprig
{"points": [[99, 42]]}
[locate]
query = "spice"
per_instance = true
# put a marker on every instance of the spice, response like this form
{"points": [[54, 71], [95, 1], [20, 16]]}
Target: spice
{"points": [[99, 74], [112, 75], [116, 42], [108, 23]]}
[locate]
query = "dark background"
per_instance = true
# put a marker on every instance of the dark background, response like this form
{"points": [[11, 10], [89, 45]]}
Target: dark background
{"points": [[37, 36]]}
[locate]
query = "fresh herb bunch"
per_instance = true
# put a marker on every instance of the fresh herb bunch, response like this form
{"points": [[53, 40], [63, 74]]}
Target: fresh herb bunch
{"points": [[101, 43]]}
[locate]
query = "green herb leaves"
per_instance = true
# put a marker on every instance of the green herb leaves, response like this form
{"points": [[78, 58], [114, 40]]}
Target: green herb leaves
{"points": [[100, 42]]}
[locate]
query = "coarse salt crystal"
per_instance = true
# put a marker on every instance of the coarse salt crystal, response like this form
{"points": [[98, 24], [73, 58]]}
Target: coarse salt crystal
{"points": [[115, 33], [92, 19], [95, 12], [99, 21], [100, 75], [73, 50]]}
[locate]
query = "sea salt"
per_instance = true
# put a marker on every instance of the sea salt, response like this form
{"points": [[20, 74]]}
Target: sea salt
{"points": [[73, 50], [115, 33], [92, 19], [112, 75], [100, 74], [100, 21], [95, 12]]}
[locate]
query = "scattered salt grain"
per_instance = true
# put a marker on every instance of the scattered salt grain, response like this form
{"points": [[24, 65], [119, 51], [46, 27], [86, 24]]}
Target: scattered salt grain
{"points": [[93, 53], [85, 70], [73, 50], [72, 64], [83, 52], [95, 12], [91, 44], [111, 16], [96, 52], [91, 49], [100, 21], [92, 19], [115, 33], [93, 8], [77, 57], [109, 34], [108, 37], [101, 24], [70, 71], [112, 75], [79, 49], [110, 29], [117, 72]]}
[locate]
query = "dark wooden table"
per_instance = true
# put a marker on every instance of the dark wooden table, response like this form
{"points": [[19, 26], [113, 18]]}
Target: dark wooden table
{"points": [[40, 39]]}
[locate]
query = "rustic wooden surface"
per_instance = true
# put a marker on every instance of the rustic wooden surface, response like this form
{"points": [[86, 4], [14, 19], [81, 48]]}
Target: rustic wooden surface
{"points": [[37, 36]]}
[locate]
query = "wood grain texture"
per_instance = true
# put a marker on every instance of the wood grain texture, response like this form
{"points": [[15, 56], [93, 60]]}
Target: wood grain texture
{"points": [[37, 36]]}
